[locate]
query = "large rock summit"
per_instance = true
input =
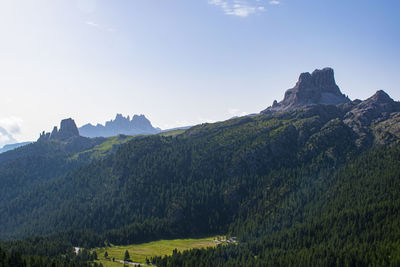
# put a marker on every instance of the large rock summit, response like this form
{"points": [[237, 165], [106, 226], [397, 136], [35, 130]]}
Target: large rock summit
{"points": [[375, 120], [67, 130], [319, 87]]}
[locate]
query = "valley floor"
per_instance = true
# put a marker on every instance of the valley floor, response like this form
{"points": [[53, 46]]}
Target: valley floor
{"points": [[139, 252]]}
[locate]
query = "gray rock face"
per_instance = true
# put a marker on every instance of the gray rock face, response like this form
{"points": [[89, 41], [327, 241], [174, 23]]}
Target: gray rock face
{"points": [[373, 118], [380, 105], [67, 130], [373, 121], [319, 87]]}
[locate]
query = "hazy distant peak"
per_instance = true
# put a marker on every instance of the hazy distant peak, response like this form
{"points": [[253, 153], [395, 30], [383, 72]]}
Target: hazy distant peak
{"points": [[138, 124]]}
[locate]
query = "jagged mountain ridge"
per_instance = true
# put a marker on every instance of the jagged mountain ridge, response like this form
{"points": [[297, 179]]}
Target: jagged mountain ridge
{"points": [[139, 124]]}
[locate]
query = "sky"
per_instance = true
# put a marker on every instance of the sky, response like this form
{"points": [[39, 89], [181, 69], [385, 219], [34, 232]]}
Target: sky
{"points": [[182, 62]]}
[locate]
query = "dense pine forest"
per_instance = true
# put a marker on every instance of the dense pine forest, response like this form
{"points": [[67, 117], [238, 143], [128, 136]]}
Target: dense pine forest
{"points": [[15, 258], [303, 187], [355, 223]]}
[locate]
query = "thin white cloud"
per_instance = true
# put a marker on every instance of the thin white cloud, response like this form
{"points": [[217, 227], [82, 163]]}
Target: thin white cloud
{"points": [[6, 137], [274, 2], [9, 127], [100, 27], [11, 124], [240, 8], [91, 23]]}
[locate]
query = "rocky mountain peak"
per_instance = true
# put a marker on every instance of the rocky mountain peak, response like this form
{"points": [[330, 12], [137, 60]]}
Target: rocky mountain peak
{"points": [[381, 97], [305, 80], [377, 106], [318, 87], [325, 79], [67, 130], [119, 117], [380, 110]]}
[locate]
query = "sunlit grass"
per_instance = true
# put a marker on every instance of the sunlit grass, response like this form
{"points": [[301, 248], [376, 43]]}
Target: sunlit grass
{"points": [[139, 252]]}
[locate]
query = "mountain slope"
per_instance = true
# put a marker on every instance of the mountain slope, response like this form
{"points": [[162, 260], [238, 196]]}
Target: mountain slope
{"points": [[196, 182], [307, 186], [352, 219], [28, 167]]}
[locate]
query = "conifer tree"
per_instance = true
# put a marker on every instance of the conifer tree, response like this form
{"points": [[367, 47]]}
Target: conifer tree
{"points": [[126, 257]]}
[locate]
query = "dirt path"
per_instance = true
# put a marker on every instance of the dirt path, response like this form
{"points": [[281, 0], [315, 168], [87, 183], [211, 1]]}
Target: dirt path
{"points": [[132, 263]]}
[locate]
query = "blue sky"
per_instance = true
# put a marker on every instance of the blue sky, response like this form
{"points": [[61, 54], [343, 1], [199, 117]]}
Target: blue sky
{"points": [[182, 62]]}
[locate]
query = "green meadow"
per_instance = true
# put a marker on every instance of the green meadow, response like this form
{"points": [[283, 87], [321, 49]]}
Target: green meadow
{"points": [[139, 252]]}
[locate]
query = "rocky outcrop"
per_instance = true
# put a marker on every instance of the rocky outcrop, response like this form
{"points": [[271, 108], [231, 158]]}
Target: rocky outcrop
{"points": [[319, 87], [372, 121], [372, 114], [380, 105], [67, 130], [139, 124]]}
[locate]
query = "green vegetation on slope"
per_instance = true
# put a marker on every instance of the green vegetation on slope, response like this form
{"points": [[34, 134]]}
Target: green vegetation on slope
{"points": [[352, 221], [106, 148], [29, 167], [139, 252], [295, 188]]}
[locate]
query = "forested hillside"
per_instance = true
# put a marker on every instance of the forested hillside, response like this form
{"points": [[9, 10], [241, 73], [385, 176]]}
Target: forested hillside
{"points": [[30, 166], [316, 185], [352, 219], [189, 184]]}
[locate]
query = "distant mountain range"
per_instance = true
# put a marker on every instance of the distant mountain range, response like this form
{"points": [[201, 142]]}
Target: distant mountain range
{"points": [[13, 146], [139, 124]]}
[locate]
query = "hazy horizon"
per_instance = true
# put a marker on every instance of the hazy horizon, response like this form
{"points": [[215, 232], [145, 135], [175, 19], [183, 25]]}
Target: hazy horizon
{"points": [[182, 62]]}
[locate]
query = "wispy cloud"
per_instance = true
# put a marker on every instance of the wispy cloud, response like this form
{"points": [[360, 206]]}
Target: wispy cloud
{"points": [[91, 23], [240, 8], [100, 27], [11, 124], [274, 2], [5, 137], [9, 127]]}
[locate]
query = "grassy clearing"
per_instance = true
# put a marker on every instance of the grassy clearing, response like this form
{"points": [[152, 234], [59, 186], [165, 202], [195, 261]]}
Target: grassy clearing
{"points": [[139, 252], [109, 146]]}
